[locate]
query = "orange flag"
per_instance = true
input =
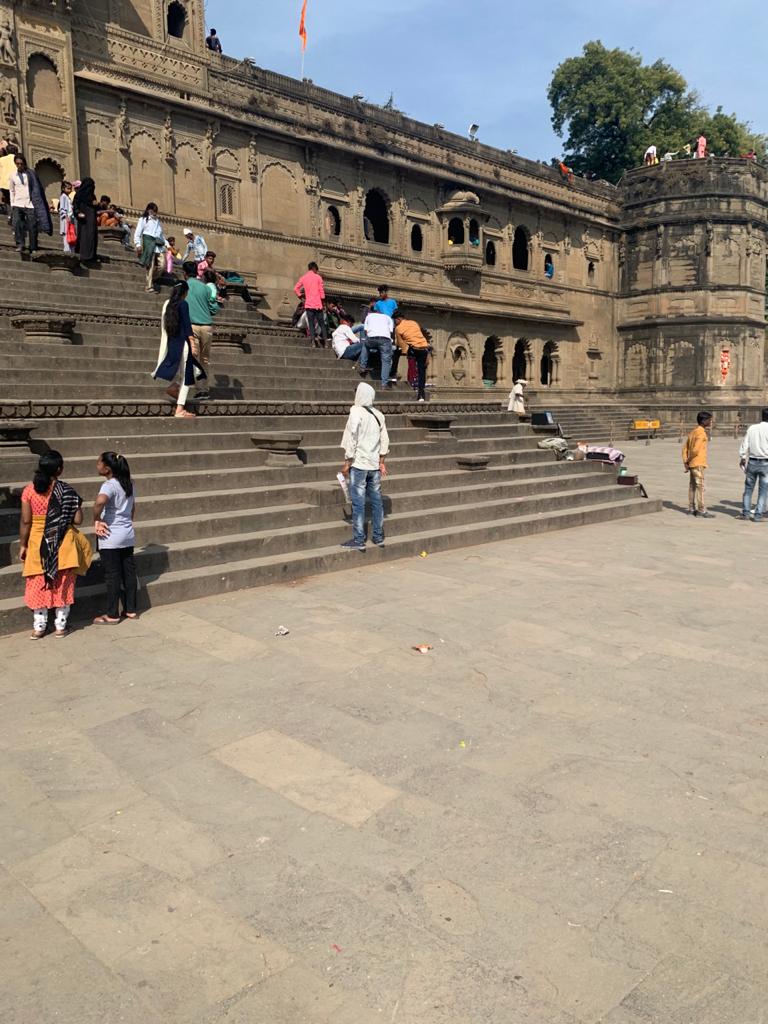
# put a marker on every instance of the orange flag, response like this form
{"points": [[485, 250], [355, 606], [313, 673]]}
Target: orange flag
{"points": [[303, 26]]}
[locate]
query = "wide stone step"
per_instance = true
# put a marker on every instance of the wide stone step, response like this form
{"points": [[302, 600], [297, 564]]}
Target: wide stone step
{"points": [[183, 585], [155, 557]]}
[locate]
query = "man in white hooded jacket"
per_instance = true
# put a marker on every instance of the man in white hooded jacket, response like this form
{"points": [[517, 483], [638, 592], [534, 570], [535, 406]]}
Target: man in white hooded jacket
{"points": [[366, 444]]}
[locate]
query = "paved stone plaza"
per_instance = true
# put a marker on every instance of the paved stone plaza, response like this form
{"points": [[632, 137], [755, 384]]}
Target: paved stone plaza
{"points": [[557, 815]]}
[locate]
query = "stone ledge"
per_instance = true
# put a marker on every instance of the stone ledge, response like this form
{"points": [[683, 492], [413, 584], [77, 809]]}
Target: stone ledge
{"points": [[438, 427], [45, 328]]}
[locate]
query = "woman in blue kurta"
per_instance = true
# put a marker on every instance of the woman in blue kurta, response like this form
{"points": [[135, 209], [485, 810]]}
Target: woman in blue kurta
{"points": [[175, 355]]}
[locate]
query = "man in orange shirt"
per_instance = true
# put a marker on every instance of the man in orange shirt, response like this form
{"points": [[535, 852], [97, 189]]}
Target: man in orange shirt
{"points": [[695, 462]]}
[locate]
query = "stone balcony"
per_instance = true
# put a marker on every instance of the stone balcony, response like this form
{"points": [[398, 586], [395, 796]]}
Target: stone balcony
{"points": [[464, 258]]}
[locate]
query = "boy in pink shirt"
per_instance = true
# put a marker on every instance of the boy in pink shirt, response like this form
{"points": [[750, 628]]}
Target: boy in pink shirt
{"points": [[311, 284]]}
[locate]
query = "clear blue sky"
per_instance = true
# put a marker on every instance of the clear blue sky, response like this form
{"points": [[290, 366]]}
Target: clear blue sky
{"points": [[490, 61]]}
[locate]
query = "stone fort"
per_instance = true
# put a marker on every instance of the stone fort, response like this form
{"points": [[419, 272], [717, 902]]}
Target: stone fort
{"points": [[655, 287]]}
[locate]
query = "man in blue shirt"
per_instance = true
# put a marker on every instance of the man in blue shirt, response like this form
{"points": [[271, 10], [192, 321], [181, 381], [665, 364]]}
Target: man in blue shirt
{"points": [[384, 304]]}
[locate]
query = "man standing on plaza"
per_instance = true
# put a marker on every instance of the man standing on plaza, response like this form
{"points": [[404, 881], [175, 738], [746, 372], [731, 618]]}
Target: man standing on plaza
{"points": [[379, 329], [311, 284], [753, 456], [202, 309], [366, 444], [695, 462]]}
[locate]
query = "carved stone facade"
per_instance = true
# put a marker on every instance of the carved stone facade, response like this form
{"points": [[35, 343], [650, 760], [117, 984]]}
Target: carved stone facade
{"points": [[583, 288]]}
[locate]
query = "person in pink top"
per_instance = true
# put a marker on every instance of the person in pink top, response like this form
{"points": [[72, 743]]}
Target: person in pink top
{"points": [[311, 284], [701, 148]]}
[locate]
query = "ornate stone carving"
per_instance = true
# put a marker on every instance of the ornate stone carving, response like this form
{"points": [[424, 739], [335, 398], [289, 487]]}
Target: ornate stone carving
{"points": [[253, 159], [169, 140], [7, 44], [8, 106], [211, 133], [123, 129]]}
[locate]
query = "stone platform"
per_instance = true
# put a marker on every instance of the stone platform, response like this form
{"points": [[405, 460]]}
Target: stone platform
{"points": [[557, 814]]}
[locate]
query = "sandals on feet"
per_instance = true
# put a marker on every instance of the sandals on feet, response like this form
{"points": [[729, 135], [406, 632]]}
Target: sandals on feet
{"points": [[61, 633], [104, 620], [182, 414], [36, 636]]}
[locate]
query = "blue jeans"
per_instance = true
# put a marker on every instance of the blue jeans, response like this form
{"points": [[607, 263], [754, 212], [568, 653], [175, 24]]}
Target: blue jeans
{"points": [[316, 324], [384, 347], [366, 483], [353, 350], [757, 471]]}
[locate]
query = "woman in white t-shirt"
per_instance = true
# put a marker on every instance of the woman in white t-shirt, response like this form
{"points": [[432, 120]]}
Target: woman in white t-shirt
{"points": [[113, 513]]}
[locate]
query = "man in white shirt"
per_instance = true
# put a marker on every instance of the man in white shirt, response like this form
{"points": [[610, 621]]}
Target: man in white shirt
{"points": [[345, 342], [196, 246], [23, 216], [650, 156], [366, 444], [753, 459], [379, 329]]}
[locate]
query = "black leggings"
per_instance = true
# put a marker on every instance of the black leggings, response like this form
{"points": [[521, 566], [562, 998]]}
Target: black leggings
{"points": [[120, 575]]}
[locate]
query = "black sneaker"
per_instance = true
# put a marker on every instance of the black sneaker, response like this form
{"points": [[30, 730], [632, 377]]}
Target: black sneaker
{"points": [[705, 515], [363, 373], [352, 545], [378, 543]]}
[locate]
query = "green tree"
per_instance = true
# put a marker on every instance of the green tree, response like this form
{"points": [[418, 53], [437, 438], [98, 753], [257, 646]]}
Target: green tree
{"points": [[613, 106], [727, 136]]}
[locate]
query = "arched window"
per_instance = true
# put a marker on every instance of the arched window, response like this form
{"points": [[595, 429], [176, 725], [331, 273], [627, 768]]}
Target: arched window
{"points": [[549, 266], [547, 375], [474, 233], [521, 359], [520, 249], [490, 253], [177, 19], [43, 86], [490, 361], [591, 272], [227, 200], [50, 174], [417, 238], [333, 222], [455, 231], [376, 217]]}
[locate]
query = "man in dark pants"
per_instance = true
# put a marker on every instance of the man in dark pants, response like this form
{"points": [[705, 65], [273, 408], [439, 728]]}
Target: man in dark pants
{"points": [[411, 341], [311, 288], [378, 338], [23, 216]]}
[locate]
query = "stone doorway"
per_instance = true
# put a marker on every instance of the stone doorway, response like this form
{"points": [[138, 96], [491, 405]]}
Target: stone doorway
{"points": [[490, 360], [549, 368], [521, 360]]}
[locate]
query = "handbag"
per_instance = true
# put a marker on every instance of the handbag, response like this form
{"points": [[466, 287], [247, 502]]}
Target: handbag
{"points": [[71, 234]]}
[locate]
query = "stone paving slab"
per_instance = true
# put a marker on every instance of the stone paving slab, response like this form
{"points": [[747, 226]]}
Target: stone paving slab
{"points": [[556, 815]]}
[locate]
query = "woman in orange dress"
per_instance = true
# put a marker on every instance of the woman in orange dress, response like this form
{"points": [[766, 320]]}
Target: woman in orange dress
{"points": [[52, 550]]}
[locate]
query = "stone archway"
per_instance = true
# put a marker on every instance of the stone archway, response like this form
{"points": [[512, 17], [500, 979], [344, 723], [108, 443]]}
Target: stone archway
{"points": [[549, 367], [50, 174], [522, 360]]}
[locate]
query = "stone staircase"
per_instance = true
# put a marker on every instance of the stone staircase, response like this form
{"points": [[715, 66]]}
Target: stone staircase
{"points": [[214, 512], [603, 424]]}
